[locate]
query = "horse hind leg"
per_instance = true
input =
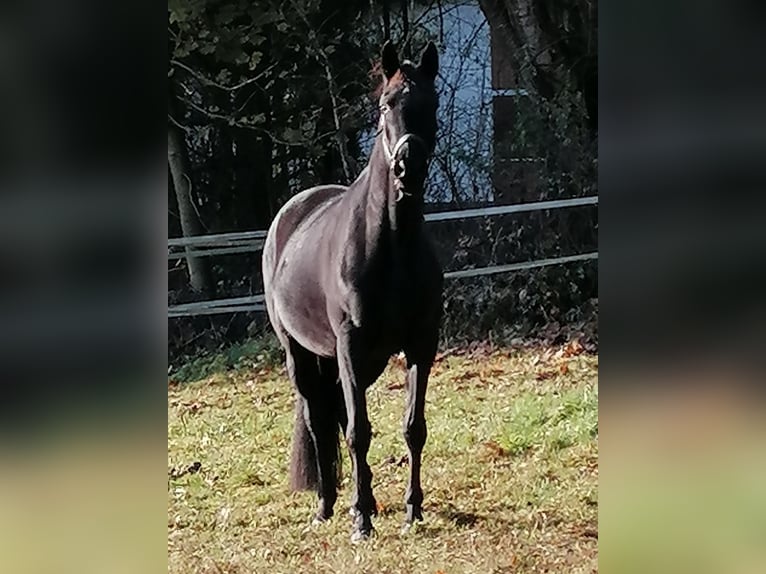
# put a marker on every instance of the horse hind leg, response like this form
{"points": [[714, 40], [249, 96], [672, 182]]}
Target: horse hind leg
{"points": [[320, 422], [328, 373]]}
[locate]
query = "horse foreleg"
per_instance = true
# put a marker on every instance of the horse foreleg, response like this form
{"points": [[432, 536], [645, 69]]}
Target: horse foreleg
{"points": [[415, 433], [358, 434]]}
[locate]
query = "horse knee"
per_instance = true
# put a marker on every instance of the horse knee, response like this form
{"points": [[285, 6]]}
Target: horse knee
{"points": [[358, 436]]}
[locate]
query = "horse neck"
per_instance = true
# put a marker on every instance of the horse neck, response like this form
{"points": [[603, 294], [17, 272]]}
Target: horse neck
{"points": [[403, 218]]}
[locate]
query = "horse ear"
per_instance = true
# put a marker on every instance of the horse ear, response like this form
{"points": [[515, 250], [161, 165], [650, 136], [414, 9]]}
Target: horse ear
{"points": [[389, 60], [429, 61]]}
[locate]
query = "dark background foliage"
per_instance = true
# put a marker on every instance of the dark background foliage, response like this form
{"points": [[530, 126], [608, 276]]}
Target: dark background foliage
{"points": [[270, 97]]}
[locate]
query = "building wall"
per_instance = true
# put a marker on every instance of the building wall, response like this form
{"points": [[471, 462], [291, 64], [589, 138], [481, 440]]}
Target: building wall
{"points": [[515, 169]]}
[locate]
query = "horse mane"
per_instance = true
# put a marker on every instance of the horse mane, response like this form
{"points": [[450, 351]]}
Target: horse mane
{"points": [[375, 74]]}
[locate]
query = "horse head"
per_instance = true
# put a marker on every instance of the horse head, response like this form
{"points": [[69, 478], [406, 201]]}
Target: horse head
{"points": [[407, 125]]}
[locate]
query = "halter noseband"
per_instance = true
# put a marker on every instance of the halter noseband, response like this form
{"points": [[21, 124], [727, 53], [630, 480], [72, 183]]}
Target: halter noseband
{"points": [[391, 153]]}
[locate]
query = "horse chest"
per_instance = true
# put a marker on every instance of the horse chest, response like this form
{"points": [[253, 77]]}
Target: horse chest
{"points": [[387, 306]]}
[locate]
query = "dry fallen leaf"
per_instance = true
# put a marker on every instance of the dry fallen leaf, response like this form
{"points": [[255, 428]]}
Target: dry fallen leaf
{"points": [[574, 347], [545, 375], [191, 469], [446, 353], [463, 377], [491, 372], [193, 407], [495, 449]]}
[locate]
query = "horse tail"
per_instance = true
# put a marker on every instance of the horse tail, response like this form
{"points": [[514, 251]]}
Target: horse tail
{"points": [[304, 473], [304, 470]]}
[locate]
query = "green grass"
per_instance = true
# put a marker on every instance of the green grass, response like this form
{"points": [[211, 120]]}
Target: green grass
{"points": [[510, 473], [263, 351]]}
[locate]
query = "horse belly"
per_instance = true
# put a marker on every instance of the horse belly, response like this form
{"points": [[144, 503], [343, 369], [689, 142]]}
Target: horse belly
{"points": [[296, 293], [302, 312]]}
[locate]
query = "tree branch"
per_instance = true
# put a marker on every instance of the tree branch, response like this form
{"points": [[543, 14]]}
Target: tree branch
{"points": [[234, 122], [208, 82], [332, 89], [405, 46], [386, 21], [178, 124]]}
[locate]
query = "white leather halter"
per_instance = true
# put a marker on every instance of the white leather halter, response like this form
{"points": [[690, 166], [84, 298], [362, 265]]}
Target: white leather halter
{"points": [[391, 152]]}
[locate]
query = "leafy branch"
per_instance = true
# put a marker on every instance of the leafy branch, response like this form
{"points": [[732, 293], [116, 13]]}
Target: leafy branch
{"points": [[208, 82], [340, 136]]}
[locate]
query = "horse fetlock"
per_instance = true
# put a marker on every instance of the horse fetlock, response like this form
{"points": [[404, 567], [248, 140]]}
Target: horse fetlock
{"points": [[414, 512], [364, 505], [324, 510]]}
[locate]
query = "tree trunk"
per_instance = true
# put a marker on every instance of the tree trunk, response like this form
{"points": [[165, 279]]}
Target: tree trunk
{"points": [[543, 44], [199, 271]]}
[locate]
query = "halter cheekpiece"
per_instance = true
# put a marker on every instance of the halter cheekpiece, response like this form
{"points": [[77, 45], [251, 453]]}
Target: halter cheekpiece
{"points": [[391, 153]]}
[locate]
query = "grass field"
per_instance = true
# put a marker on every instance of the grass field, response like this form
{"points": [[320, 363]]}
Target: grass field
{"points": [[510, 472]]}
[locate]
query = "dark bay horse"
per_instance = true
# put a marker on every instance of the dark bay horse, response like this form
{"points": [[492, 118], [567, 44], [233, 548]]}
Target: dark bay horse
{"points": [[350, 278]]}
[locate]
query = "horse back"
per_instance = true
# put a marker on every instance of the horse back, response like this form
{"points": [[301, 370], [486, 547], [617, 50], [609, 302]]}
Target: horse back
{"points": [[290, 216]]}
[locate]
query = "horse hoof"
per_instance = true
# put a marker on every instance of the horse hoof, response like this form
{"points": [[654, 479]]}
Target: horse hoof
{"points": [[313, 525], [362, 526], [320, 517], [361, 535]]}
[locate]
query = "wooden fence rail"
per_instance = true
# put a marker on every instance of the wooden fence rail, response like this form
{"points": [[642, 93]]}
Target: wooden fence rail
{"points": [[252, 241]]}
